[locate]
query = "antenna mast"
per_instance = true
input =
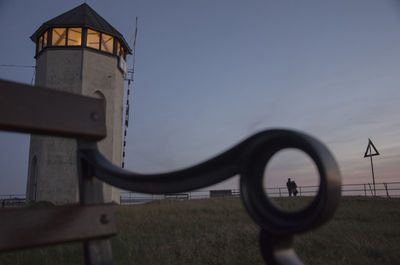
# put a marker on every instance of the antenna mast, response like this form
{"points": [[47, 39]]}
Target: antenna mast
{"points": [[130, 81]]}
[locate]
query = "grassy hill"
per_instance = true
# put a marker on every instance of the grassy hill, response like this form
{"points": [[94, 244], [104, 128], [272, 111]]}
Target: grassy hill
{"points": [[219, 231]]}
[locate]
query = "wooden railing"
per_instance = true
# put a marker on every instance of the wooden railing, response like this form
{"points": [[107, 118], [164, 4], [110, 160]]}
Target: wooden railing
{"points": [[43, 111]]}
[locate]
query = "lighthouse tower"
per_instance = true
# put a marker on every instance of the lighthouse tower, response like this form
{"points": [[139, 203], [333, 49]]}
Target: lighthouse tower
{"points": [[77, 52]]}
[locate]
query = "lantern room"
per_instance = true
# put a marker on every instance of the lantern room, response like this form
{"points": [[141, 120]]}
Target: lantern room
{"points": [[80, 27]]}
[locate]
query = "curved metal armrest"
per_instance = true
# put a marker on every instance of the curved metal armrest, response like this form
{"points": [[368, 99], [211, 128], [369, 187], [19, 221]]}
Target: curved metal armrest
{"points": [[248, 159], [205, 174]]}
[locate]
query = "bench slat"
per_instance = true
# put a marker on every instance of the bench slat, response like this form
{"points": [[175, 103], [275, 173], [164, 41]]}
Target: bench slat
{"points": [[32, 227], [29, 109]]}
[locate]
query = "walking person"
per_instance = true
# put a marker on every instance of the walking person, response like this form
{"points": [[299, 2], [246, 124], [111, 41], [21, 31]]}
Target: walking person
{"points": [[289, 187]]}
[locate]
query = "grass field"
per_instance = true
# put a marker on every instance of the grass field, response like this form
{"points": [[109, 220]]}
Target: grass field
{"points": [[219, 231]]}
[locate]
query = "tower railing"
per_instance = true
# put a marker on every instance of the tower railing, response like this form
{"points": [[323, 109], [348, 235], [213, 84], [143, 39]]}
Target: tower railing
{"points": [[42, 111]]}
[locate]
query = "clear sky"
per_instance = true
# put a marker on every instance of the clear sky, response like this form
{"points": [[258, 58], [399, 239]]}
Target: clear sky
{"points": [[210, 73]]}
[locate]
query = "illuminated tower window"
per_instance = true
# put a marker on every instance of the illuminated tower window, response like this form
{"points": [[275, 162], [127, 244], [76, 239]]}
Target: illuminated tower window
{"points": [[118, 48], [74, 37], [107, 43], [59, 36], [93, 39], [40, 43], [45, 40]]}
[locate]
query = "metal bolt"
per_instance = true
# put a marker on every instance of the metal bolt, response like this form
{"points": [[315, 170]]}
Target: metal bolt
{"points": [[94, 116], [104, 219]]}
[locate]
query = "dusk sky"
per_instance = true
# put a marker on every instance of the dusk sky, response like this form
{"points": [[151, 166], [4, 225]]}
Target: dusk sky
{"points": [[211, 73]]}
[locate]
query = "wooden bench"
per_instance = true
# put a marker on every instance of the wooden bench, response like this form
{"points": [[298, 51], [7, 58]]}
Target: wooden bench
{"points": [[44, 111]]}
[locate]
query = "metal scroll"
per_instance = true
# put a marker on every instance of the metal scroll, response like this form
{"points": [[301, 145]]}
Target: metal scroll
{"points": [[247, 159]]}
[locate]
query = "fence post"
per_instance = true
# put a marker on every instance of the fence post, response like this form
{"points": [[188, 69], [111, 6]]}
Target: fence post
{"points": [[370, 188], [387, 192], [365, 191], [280, 194], [300, 190]]}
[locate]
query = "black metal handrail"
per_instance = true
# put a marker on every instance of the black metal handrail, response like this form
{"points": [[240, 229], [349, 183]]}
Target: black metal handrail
{"points": [[248, 159]]}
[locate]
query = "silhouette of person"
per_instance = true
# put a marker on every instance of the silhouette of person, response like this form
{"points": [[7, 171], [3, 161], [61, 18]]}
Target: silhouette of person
{"points": [[289, 186], [294, 188]]}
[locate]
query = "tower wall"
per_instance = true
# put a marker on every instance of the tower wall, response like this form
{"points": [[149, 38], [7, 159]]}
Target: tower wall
{"points": [[101, 74], [52, 173]]}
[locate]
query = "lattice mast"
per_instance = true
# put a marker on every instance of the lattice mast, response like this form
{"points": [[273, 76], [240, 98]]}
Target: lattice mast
{"points": [[130, 80]]}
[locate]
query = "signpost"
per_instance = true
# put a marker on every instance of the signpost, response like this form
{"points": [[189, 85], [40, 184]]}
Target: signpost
{"points": [[369, 153]]}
